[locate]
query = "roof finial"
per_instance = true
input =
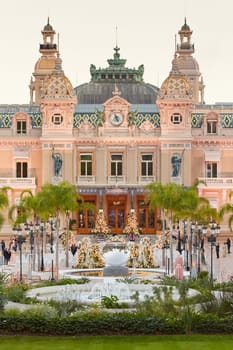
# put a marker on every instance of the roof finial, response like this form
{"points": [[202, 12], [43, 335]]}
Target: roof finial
{"points": [[58, 42], [116, 92], [116, 37]]}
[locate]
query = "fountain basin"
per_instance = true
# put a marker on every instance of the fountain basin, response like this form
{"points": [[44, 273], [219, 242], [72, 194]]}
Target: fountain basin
{"points": [[115, 253]]}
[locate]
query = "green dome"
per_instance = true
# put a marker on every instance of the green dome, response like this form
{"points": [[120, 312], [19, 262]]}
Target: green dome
{"points": [[185, 26], [48, 27], [129, 81]]}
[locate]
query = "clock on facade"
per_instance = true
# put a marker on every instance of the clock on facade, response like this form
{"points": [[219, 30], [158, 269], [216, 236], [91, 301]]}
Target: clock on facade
{"points": [[116, 118]]}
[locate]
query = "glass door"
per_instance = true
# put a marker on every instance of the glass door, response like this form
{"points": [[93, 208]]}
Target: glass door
{"points": [[116, 213], [116, 219]]}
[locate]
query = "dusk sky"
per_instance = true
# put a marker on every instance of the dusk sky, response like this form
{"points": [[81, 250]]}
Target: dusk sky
{"points": [[87, 31]]}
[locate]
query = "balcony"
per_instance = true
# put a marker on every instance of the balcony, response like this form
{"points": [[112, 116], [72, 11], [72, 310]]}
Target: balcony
{"points": [[216, 181], [86, 180], [146, 179], [18, 182], [116, 180], [48, 46]]}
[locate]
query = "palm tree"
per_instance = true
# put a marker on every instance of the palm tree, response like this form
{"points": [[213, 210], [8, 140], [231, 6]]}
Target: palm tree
{"points": [[227, 208], [3, 203], [28, 208], [174, 201], [58, 200]]}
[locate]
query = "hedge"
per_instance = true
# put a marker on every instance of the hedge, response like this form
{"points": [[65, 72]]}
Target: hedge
{"points": [[112, 324]]}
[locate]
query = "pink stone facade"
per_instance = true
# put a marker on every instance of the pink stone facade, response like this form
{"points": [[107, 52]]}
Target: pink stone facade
{"points": [[107, 155]]}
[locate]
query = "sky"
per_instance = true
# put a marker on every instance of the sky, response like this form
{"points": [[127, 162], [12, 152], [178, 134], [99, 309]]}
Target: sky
{"points": [[145, 33]]}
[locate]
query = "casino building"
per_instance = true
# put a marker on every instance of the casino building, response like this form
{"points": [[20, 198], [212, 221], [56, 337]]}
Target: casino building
{"points": [[115, 134]]}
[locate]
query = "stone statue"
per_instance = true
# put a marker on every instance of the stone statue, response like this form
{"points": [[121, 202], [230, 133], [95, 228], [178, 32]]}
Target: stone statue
{"points": [[176, 163], [100, 118], [132, 115], [57, 163]]}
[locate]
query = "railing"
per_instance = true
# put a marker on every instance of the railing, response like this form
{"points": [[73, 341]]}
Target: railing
{"points": [[114, 180], [18, 182], [86, 180], [146, 179], [218, 181], [48, 46]]}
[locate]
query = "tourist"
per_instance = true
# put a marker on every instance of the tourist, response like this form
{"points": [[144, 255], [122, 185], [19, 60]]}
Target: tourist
{"points": [[217, 247], [7, 256], [131, 236], [228, 242], [3, 244], [179, 271]]}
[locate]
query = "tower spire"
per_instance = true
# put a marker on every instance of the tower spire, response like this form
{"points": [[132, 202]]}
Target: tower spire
{"points": [[116, 37]]}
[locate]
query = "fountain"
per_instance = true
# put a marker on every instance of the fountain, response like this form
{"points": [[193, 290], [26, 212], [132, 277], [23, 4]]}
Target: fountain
{"points": [[116, 255], [91, 292]]}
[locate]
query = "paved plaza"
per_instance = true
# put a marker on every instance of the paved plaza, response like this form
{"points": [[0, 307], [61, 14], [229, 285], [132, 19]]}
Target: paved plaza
{"points": [[222, 267]]}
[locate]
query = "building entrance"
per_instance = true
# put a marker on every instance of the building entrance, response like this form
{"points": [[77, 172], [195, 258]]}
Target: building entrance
{"points": [[116, 213]]}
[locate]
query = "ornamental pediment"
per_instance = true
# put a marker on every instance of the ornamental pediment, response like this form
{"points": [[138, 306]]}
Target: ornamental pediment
{"points": [[116, 101]]}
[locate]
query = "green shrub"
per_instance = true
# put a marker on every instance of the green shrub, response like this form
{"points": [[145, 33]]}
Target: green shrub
{"points": [[42, 310], [62, 282], [66, 308], [3, 295], [17, 293], [112, 302]]}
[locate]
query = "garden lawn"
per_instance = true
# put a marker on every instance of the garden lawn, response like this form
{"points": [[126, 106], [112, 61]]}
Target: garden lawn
{"points": [[180, 342]]}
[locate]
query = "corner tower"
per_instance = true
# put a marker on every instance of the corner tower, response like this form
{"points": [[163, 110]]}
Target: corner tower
{"points": [[45, 64], [188, 65], [58, 101], [175, 102]]}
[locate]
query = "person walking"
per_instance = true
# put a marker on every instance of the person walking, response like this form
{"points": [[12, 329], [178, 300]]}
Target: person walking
{"points": [[3, 245], [179, 271], [7, 256], [217, 247], [228, 242]]}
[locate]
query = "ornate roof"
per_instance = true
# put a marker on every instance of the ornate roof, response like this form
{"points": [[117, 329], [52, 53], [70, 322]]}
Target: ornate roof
{"points": [[57, 85], [176, 85], [129, 81], [185, 27], [48, 27], [116, 71]]}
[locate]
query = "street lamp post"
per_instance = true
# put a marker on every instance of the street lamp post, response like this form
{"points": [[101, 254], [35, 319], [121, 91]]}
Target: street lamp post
{"points": [[166, 246], [179, 248], [192, 250], [51, 222], [40, 227], [214, 231], [186, 253], [199, 232], [29, 231], [20, 240]]}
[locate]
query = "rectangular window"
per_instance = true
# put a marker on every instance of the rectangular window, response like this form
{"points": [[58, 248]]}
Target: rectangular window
{"points": [[211, 126], [146, 165], [146, 217], [86, 164], [211, 169], [21, 169], [116, 165], [21, 127], [86, 217]]}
